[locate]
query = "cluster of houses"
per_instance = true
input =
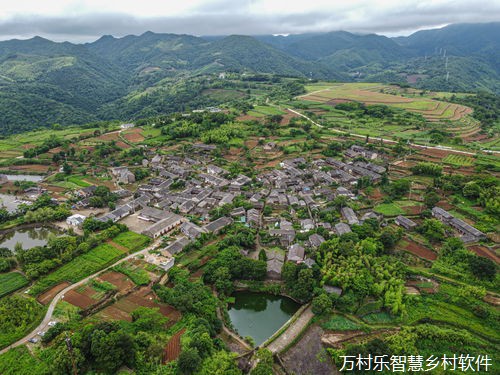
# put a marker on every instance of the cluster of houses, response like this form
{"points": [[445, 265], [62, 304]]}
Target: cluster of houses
{"points": [[184, 188]]}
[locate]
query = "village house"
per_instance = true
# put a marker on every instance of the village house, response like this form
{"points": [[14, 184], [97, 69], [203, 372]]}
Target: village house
{"points": [[275, 260], [253, 217], [441, 214], [192, 231], [342, 228], [405, 222], [307, 225], [296, 253], [76, 220], [177, 246], [217, 225], [349, 215], [165, 225], [315, 240]]}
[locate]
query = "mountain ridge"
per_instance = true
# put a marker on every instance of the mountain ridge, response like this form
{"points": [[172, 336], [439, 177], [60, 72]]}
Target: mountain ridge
{"points": [[88, 78]]}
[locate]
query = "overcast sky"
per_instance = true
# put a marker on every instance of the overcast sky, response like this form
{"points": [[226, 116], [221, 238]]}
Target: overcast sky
{"points": [[87, 20]]}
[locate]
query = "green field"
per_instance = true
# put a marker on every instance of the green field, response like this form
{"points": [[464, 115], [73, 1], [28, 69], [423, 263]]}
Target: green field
{"points": [[10, 282], [458, 160], [19, 361], [340, 323], [138, 275], [375, 93], [79, 268], [388, 209], [264, 110], [131, 240]]}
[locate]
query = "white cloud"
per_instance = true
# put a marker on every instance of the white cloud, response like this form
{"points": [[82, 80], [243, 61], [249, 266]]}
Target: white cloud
{"points": [[81, 20]]}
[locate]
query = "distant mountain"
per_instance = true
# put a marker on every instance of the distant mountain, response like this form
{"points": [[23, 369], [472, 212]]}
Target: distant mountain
{"points": [[43, 82]]}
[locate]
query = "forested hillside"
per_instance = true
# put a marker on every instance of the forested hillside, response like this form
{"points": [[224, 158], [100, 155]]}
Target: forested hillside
{"points": [[43, 82]]}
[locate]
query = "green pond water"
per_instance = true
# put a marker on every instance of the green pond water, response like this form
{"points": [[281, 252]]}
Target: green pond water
{"points": [[260, 315], [28, 237]]}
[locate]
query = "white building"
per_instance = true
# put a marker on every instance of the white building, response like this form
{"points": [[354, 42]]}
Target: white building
{"points": [[76, 220]]}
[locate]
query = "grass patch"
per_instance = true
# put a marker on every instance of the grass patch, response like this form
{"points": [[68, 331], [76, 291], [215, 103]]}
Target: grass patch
{"points": [[340, 323], [388, 209], [19, 361], [79, 268], [132, 241], [378, 318], [10, 282], [138, 275]]}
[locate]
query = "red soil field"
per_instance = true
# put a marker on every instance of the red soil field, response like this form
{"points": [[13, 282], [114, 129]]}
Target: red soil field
{"points": [[49, 295], [122, 145], [81, 300], [109, 136], [483, 251], [134, 136], [420, 251], [173, 348]]}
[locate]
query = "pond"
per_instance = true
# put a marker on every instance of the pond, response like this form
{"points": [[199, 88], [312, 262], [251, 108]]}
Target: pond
{"points": [[11, 202], [260, 315], [28, 237], [24, 177]]}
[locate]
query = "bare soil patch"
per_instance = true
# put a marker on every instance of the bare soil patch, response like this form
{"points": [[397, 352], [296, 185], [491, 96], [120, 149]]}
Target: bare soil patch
{"points": [[309, 356], [420, 250], [49, 295], [173, 348], [134, 136], [80, 300]]}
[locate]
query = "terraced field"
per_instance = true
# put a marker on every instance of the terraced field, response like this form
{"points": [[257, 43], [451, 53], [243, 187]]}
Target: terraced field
{"points": [[374, 93]]}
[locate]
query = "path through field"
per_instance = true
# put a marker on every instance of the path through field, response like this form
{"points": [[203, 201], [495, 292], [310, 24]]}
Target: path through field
{"points": [[44, 325]]}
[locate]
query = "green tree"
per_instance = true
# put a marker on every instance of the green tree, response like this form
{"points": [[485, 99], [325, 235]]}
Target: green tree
{"points": [[189, 360], [321, 304]]}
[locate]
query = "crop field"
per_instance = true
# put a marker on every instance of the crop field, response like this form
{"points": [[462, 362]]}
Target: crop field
{"points": [[80, 267], [340, 323], [373, 93], [264, 110], [389, 209], [459, 160], [131, 240], [137, 274], [10, 282]]}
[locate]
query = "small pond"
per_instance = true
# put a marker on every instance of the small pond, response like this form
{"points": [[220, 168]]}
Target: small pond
{"points": [[9, 202], [24, 177], [260, 315], [28, 237]]}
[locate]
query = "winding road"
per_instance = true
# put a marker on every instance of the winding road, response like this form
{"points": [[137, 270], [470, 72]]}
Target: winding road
{"points": [[44, 325]]}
